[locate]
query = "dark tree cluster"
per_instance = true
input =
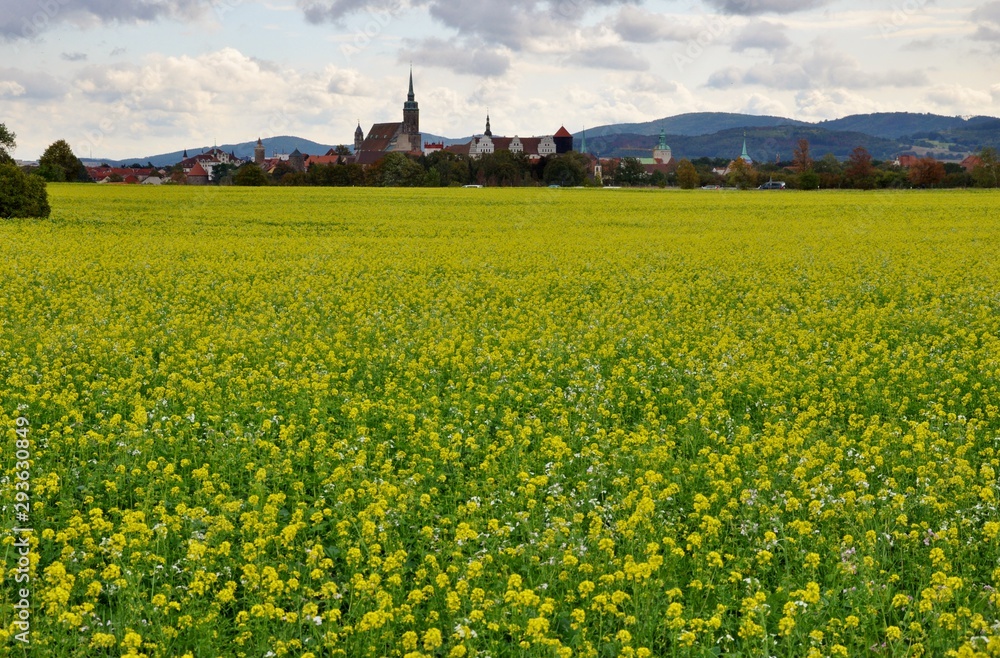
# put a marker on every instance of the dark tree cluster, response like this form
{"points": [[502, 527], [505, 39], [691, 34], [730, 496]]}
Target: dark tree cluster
{"points": [[21, 194], [439, 169]]}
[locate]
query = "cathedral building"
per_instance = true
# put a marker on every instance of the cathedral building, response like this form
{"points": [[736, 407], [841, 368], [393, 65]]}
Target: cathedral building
{"points": [[662, 160], [533, 147], [383, 138]]}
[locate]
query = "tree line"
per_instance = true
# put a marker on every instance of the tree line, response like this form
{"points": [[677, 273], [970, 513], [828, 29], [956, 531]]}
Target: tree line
{"points": [[859, 171], [438, 169], [506, 169]]}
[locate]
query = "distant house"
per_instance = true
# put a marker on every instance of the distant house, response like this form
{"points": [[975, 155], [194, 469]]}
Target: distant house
{"points": [[129, 175], [209, 161], [197, 175], [327, 159], [971, 162], [906, 161]]}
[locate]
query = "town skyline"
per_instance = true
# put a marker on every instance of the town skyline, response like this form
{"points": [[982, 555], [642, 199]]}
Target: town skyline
{"points": [[149, 76]]}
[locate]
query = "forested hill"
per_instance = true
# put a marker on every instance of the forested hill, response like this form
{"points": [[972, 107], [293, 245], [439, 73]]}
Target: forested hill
{"points": [[714, 135]]}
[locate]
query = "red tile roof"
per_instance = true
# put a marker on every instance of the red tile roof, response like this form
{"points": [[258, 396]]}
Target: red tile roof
{"points": [[531, 144], [380, 136], [562, 132], [321, 159], [502, 143], [198, 170], [971, 162]]}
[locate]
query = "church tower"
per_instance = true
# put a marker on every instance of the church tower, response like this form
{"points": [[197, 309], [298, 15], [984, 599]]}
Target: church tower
{"points": [[662, 151], [359, 137], [488, 133], [258, 152], [411, 113]]}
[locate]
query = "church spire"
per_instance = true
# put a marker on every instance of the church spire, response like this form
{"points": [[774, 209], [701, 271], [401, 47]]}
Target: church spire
{"points": [[583, 141], [745, 156], [488, 133], [411, 117]]}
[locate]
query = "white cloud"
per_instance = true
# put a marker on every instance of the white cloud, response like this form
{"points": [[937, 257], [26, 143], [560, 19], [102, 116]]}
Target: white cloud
{"points": [[34, 85], [205, 95], [961, 100], [460, 56], [761, 105], [10, 88], [825, 66], [609, 57], [763, 35], [640, 26], [816, 104]]}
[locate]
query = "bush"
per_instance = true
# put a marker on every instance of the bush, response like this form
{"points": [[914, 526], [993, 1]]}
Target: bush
{"points": [[22, 195], [250, 175], [809, 180]]}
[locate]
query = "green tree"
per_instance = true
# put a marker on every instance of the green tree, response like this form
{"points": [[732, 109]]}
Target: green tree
{"points": [[567, 170], [687, 175], [808, 180], [503, 168], [741, 174], [222, 174], [830, 170], [58, 163], [250, 175], [452, 168], [395, 170], [987, 172], [630, 172], [22, 195], [280, 170], [294, 179], [7, 144]]}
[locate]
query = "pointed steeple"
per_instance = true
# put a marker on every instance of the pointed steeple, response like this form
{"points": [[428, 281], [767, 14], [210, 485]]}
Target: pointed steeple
{"points": [[583, 141], [411, 115], [488, 133], [745, 156], [359, 137], [663, 139]]}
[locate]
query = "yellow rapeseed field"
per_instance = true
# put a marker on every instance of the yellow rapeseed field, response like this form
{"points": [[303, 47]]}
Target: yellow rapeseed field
{"points": [[425, 423]]}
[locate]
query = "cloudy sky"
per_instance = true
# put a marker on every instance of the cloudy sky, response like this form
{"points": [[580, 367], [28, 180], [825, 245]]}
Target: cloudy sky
{"points": [[128, 78]]}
